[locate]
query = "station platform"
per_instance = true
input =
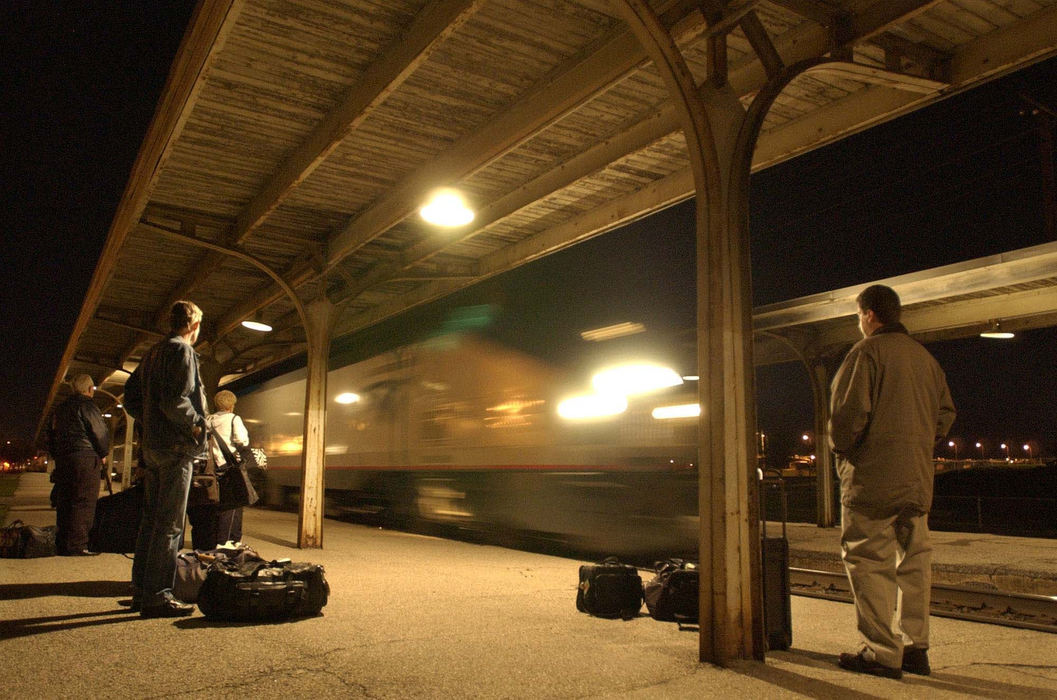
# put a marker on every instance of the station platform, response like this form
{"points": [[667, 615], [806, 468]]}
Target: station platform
{"points": [[411, 616]]}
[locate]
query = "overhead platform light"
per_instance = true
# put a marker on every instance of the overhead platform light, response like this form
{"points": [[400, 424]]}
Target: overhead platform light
{"points": [[996, 332], [447, 208], [256, 324]]}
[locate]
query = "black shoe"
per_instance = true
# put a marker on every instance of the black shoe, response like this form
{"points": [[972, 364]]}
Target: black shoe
{"points": [[81, 553], [916, 660], [170, 608], [860, 664], [132, 604]]}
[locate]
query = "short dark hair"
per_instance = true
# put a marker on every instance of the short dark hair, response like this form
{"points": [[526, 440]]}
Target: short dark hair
{"points": [[883, 301], [183, 314]]}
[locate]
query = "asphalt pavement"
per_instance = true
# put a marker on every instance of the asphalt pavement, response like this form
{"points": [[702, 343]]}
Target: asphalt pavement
{"points": [[411, 616]]}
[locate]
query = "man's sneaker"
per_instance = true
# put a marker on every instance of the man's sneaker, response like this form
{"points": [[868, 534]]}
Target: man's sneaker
{"points": [[916, 660], [860, 664]]}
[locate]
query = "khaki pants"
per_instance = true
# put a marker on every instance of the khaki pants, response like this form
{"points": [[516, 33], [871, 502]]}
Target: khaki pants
{"points": [[889, 565]]}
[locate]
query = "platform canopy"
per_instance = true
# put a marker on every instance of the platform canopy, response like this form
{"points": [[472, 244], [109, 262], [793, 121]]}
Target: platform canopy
{"points": [[296, 140]]}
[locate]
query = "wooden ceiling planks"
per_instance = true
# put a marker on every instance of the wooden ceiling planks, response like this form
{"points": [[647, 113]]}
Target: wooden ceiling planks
{"points": [[319, 125]]}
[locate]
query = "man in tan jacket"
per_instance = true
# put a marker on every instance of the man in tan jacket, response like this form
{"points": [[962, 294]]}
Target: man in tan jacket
{"points": [[890, 404]]}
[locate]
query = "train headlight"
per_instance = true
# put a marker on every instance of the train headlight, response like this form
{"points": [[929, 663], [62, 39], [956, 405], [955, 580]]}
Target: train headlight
{"points": [[587, 406], [633, 379]]}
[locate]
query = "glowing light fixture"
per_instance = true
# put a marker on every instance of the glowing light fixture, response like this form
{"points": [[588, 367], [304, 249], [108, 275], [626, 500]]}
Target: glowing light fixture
{"points": [[588, 406], [447, 208], [633, 379], [686, 410], [995, 331], [617, 330], [256, 324], [347, 398]]}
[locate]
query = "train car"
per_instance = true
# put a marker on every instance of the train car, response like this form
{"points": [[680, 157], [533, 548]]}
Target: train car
{"points": [[462, 432]]}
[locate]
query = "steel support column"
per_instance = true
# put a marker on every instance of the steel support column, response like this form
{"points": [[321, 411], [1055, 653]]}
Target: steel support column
{"points": [[730, 601], [320, 315]]}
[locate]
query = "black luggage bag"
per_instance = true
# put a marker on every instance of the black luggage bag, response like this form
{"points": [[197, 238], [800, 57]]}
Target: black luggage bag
{"points": [[777, 610], [263, 591], [193, 567], [609, 589], [117, 522], [21, 541], [672, 594]]}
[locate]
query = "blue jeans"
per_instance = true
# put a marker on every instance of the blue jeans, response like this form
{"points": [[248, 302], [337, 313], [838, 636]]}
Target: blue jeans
{"points": [[166, 481]]}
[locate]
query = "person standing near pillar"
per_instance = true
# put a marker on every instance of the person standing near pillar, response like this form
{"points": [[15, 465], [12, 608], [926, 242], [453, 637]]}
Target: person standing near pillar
{"points": [[166, 396], [890, 404], [78, 441]]}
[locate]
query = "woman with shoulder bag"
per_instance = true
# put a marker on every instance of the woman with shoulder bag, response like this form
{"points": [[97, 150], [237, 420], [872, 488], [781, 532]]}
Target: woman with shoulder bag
{"points": [[211, 526]]}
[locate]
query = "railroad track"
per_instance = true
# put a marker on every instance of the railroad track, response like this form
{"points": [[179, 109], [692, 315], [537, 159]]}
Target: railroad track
{"points": [[1036, 612]]}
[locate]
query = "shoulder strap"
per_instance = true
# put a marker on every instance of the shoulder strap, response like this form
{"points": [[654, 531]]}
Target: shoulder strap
{"points": [[229, 458]]}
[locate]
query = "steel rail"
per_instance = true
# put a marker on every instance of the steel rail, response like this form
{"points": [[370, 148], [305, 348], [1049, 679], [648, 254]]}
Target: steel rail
{"points": [[1023, 610]]}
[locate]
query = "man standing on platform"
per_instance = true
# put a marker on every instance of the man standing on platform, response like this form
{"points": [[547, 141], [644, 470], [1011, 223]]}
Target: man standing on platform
{"points": [[890, 404], [79, 441], [166, 396]]}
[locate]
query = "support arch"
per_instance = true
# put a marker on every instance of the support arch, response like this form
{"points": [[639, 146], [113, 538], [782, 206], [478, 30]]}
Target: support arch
{"points": [[731, 608], [317, 321]]}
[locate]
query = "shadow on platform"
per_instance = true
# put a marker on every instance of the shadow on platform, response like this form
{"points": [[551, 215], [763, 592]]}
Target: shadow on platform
{"points": [[77, 589]]}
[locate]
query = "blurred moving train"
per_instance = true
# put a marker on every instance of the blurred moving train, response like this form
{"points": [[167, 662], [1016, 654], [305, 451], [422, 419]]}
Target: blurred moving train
{"points": [[461, 432]]}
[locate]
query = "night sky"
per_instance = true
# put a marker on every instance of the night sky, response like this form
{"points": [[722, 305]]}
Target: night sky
{"points": [[956, 181]]}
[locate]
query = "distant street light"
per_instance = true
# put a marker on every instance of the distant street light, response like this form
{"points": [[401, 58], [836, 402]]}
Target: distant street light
{"points": [[1027, 448], [1005, 447], [954, 446], [980, 447]]}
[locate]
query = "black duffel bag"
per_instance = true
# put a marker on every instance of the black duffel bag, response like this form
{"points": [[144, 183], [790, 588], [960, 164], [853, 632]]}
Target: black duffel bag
{"points": [[117, 521], [672, 595], [263, 591], [609, 589], [192, 567]]}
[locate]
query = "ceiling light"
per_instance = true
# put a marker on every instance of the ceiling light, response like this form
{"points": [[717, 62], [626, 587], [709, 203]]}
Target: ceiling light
{"points": [[256, 324], [447, 208], [347, 398], [995, 331]]}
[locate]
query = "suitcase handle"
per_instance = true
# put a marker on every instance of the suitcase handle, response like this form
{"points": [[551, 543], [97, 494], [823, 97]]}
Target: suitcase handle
{"points": [[777, 479]]}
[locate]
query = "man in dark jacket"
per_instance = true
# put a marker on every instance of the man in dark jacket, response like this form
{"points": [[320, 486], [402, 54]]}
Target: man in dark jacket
{"points": [[78, 441], [890, 404], [166, 396]]}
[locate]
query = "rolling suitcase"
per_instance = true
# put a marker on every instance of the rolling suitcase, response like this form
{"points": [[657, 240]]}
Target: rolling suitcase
{"points": [[777, 613]]}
